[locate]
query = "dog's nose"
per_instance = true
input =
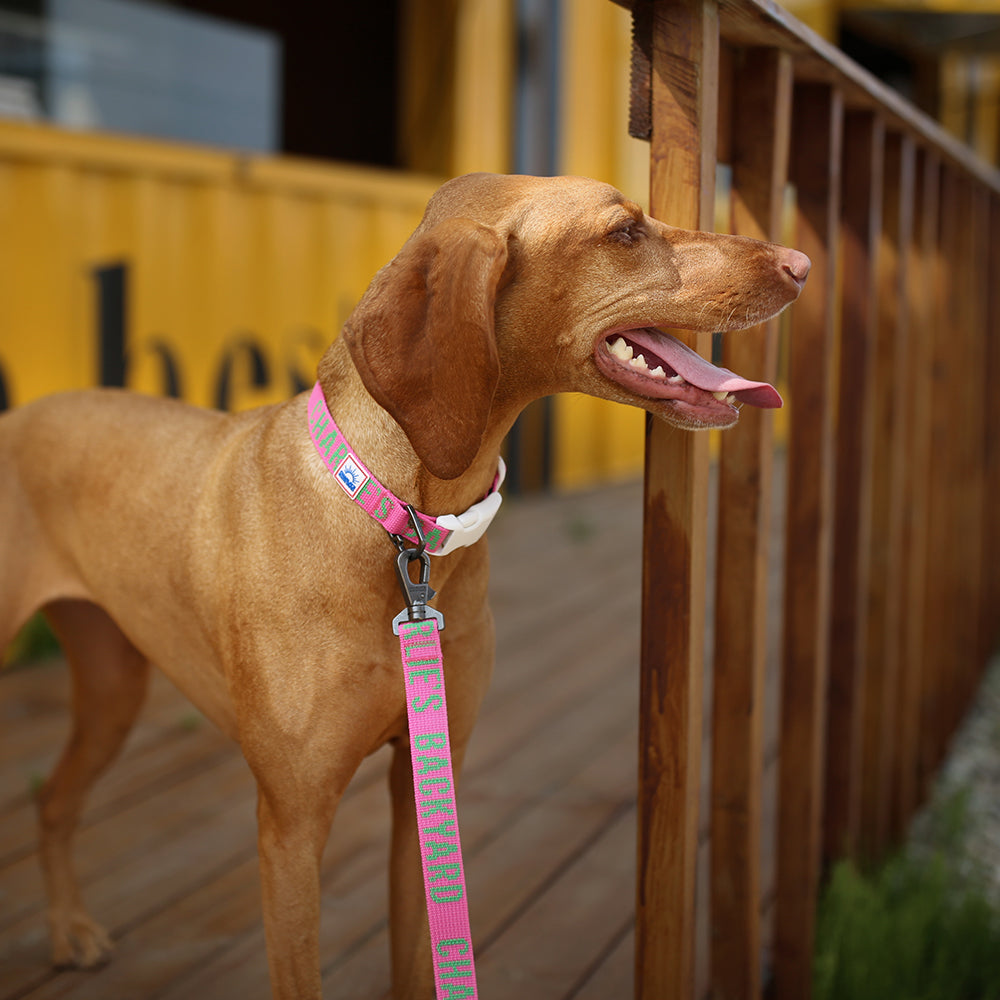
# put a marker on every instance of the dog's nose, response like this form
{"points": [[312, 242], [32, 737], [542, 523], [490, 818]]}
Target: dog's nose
{"points": [[796, 265]]}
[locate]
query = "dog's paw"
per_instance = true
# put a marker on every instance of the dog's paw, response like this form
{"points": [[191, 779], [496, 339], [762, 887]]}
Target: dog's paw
{"points": [[78, 941]]}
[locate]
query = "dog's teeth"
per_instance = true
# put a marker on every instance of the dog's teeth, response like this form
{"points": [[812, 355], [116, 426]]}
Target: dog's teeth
{"points": [[639, 362], [658, 372], [676, 379], [618, 347], [720, 395]]}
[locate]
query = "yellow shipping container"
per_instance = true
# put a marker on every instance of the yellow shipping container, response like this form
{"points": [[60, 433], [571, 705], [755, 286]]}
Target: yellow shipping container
{"points": [[215, 276]]}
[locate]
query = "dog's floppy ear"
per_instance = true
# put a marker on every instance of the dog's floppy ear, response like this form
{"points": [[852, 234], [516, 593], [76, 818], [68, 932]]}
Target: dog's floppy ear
{"points": [[422, 338]]}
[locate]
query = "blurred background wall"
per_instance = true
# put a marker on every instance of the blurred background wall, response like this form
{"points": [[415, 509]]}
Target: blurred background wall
{"points": [[193, 195]]}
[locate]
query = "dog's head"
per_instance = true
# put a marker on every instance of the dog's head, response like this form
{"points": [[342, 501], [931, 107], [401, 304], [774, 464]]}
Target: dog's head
{"points": [[514, 288]]}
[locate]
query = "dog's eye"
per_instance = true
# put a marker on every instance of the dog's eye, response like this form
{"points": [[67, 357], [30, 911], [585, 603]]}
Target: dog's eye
{"points": [[626, 234]]}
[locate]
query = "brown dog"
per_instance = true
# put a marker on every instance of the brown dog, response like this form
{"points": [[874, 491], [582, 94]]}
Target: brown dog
{"points": [[219, 547]]}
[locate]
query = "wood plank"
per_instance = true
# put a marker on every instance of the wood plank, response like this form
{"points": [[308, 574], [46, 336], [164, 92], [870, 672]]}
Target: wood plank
{"points": [[588, 888], [982, 505], [968, 420], [569, 659], [172, 942], [904, 783], [815, 170], [167, 748], [353, 871], [940, 611], [684, 46], [956, 487], [923, 307], [191, 834], [966, 449], [614, 970], [864, 144], [991, 371], [761, 122], [29, 752], [888, 453]]}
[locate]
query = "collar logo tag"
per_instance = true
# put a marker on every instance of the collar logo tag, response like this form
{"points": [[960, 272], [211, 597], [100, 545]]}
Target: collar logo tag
{"points": [[350, 477]]}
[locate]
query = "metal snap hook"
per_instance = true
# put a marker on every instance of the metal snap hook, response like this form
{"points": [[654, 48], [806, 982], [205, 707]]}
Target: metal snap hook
{"points": [[402, 542]]}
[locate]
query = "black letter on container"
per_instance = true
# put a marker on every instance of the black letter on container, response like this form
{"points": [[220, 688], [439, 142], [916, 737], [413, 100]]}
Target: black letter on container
{"points": [[112, 303]]}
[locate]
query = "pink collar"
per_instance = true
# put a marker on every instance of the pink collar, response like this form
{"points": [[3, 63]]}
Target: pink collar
{"points": [[442, 534]]}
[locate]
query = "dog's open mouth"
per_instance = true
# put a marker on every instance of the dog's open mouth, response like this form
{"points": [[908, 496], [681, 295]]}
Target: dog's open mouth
{"points": [[653, 364]]}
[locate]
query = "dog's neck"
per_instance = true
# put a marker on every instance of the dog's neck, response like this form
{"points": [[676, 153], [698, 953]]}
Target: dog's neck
{"points": [[383, 446]]}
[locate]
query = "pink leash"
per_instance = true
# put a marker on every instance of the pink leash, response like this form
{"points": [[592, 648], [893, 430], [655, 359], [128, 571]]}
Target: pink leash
{"points": [[423, 672], [434, 791]]}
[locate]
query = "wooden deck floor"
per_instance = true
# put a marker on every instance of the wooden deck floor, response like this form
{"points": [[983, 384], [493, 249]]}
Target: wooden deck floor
{"points": [[167, 849]]}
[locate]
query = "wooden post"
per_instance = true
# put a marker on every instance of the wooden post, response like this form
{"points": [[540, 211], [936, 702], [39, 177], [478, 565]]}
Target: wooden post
{"points": [[684, 52], [815, 170], [864, 141], [761, 124]]}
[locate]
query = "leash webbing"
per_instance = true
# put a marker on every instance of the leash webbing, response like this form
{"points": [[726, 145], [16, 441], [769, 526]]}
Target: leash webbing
{"points": [[437, 818]]}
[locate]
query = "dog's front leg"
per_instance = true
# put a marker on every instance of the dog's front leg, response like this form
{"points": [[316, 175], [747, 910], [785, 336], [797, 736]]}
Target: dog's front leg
{"points": [[290, 840]]}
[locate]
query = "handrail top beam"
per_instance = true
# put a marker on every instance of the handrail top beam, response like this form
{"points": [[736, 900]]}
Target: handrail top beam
{"points": [[765, 24]]}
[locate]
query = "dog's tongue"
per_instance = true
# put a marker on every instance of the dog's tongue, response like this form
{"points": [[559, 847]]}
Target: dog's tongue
{"points": [[703, 374]]}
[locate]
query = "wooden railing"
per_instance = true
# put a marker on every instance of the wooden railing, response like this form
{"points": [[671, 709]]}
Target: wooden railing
{"points": [[890, 578]]}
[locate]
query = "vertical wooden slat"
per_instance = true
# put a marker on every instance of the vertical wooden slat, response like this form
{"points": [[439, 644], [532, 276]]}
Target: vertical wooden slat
{"points": [[864, 141], [973, 471], [761, 122], [939, 605], [965, 451], [916, 379], [888, 452], [954, 230], [684, 45], [964, 555], [927, 288], [991, 455], [956, 486], [815, 170], [982, 503]]}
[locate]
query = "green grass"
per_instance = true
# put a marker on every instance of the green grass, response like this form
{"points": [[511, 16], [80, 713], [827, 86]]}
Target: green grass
{"points": [[918, 928], [34, 642]]}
